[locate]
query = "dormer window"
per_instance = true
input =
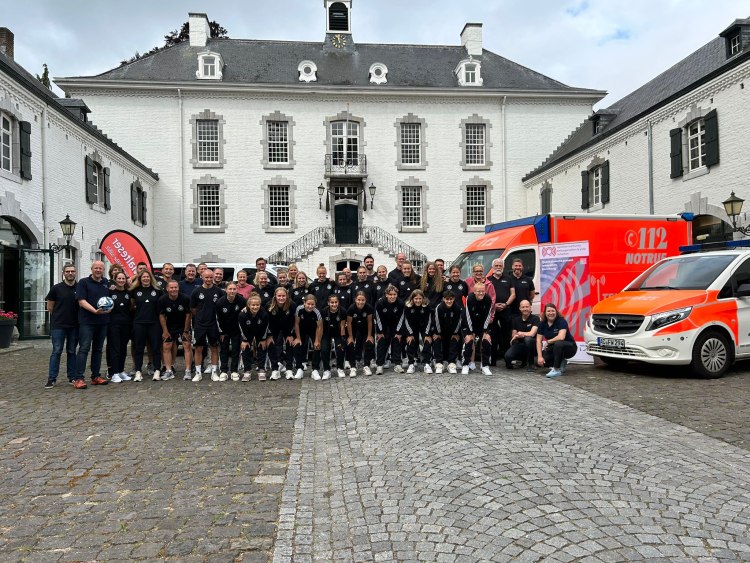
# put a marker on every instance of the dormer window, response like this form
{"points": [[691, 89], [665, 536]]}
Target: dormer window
{"points": [[378, 73], [469, 73], [338, 17], [308, 72], [734, 45], [210, 66]]}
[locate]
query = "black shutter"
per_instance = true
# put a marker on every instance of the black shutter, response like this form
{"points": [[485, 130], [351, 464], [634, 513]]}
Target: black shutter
{"points": [[144, 208], [675, 153], [546, 200], [90, 181], [25, 142], [134, 203], [585, 189], [712, 138], [605, 182], [107, 205]]}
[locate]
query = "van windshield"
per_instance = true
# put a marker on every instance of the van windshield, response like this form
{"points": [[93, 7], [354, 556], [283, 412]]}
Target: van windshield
{"points": [[485, 257], [683, 272]]}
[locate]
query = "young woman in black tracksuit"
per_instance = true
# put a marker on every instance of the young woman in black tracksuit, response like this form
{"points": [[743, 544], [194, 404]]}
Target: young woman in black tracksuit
{"points": [[344, 291], [457, 285], [253, 321], [409, 282], [380, 284], [432, 285], [360, 338], [389, 315], [475, 325], [446, 334], [228, 310], [281, 334], [263, 288], [364, 283], [334, 333], [146, 327], [418, 324], [308, 330], [299, 290], [118, 332]]}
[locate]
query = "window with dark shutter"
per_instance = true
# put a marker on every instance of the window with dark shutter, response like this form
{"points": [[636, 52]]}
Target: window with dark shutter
{"points": [[144, 208], [107, 204], [712, 138], [25, 144], [585, 189], [675, 152], [135, 203], [91, 186], [605, 182], [546, 200]]}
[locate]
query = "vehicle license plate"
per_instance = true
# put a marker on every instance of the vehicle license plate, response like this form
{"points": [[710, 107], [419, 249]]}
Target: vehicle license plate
{"points": [[612, 342]]}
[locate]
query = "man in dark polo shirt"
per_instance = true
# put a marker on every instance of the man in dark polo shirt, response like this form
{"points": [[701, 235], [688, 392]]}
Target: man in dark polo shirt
{"points": [[502, 320], [92, 325], [62, 306], [523, 285], [396, 275]]}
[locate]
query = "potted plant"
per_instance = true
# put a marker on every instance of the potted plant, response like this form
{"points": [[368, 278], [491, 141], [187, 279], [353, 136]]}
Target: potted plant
{"points": [[7, 322]]}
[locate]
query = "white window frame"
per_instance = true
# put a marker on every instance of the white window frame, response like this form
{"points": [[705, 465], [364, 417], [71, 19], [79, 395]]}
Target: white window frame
{"points": [[348, 143], [279, 205], [411, 145], [469, 203], [308, 71], [210, 66], [469, 73], [734, 45], [378, 73], [208, 139], [696, 141], [411, 205], [210, 208], [595, 186], [472, 207], [471, 141], [6, 142], [98, 174], [276, 147]]}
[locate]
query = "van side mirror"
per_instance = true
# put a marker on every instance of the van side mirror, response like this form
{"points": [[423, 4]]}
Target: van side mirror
{"points": [[743, 290]]}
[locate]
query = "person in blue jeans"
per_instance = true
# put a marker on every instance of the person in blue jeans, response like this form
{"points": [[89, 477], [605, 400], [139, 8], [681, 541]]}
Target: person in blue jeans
{"points": [[560, 343], [62, 306], [92, 325]]}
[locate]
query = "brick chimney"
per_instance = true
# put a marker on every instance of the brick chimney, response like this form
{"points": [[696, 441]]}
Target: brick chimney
{"points": [[200, 31], [6, 42]]}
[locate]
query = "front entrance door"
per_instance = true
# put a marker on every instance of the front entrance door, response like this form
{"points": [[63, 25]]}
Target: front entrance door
{"points": [[346, 222], [35, 281]]}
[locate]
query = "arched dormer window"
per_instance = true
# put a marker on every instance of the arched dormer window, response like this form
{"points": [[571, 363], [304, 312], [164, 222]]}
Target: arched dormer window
{"points": [[338, 17], [308, 72], [210, 66], [469, 73], [378, 73]]}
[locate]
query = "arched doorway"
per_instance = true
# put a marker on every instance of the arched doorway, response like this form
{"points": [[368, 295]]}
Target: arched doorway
{"points": [[25, 277], [709, 228]]}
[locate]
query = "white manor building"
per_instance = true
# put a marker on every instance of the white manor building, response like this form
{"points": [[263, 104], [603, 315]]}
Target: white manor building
{"points": [[315, 152], [679, 143]]}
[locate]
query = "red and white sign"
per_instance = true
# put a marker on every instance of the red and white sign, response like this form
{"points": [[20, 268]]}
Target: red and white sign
{"points": [[124, 248]]}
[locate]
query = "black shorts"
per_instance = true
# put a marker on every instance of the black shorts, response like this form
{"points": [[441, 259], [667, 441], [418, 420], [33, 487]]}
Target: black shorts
{"points": [[206, 336]]}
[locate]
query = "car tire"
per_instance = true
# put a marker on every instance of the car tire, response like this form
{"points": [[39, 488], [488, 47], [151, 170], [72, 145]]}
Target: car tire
{"points": [[614, 363], [712, 355]]}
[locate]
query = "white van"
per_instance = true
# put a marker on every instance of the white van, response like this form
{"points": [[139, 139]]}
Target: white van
{"points": [[230, 270]]}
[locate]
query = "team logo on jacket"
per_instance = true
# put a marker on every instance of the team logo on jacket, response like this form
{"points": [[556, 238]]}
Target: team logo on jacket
{"points": [[180, 308], [224, 310], [153, 293], [139, 294], [201, 296], [169, 309], [114, 298], [216, 297]]}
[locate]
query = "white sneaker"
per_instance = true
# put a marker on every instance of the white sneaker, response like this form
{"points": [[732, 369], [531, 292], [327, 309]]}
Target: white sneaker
{"points": [[379, 370], [486, 370], [116, 378], [188, 375], [352, 372], [156, 376], [246, 376], [261, 375], [197, 377], [125, 376], [288, 374], [427, 368], [340, 372], [439, 368], [326, 374], [214, 376], [275, 374], [410, 369], [472, 366], [299, 374], [398, 369], [167, 375], [208, 369], [223, 376], [465, 370], [138, 377], [451, 368], [367, 370], [315, 375], [235, 376]]}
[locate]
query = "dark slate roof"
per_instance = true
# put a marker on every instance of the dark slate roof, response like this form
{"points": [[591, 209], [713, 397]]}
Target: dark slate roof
{"points": [[697, 68], [72, 113], [276, 62]]}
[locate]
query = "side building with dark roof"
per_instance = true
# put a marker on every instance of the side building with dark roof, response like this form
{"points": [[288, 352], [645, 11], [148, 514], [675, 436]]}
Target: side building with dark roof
{"points": [[54, 163], [676, 144], [326, 151]]}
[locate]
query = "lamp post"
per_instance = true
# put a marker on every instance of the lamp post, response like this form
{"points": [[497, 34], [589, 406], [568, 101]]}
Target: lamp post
{"points": [[733, 208], [372, 189], [321, 191], [68, 228]]}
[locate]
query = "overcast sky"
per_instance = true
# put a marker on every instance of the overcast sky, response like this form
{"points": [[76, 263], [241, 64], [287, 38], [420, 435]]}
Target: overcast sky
{"points": [[612, 45]]}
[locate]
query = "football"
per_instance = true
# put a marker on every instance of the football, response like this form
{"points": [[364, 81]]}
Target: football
{"points": [[105, 303]]}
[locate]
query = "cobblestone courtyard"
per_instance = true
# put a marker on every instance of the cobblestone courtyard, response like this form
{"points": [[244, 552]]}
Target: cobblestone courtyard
{"points": [[599, 465]]}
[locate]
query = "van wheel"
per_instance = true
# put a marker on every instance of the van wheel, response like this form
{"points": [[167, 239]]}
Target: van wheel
{"points": [[614, 363], [712, 356]]}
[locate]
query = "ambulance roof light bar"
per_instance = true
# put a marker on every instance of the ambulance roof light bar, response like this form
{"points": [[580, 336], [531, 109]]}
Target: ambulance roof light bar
{"points": [[719, 245]]}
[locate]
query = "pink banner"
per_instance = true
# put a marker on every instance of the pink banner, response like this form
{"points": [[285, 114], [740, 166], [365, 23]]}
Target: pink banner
{"points": [[124, 248]]}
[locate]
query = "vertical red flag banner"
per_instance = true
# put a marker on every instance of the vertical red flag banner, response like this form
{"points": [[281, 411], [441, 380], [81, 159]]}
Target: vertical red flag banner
{"points": [[124, 248]]}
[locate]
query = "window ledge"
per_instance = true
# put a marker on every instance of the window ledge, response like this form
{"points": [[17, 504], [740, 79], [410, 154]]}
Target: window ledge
{"points": [[411, 166], [208, 165], [412, 230], [702, 171], [595, 207], [209, 229], [278, 165], [475, 166], [279, 229], [10, 176], [474, 229], [98, 208]]}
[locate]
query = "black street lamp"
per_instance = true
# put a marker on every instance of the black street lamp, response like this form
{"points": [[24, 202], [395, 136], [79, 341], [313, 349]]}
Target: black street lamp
{"points": [[68, 228], [733, 208], [372, 189]]}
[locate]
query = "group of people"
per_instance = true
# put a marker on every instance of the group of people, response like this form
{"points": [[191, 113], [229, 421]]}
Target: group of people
{"points": [[369, 320]]}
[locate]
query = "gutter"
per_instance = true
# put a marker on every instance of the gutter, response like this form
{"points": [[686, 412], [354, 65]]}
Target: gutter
{"points": [[650, 145], [505, 160], [182, 179]]}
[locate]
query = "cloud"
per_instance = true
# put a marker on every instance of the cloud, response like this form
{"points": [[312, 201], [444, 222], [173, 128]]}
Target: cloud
{"points": [[577, 10], [618, 35]]}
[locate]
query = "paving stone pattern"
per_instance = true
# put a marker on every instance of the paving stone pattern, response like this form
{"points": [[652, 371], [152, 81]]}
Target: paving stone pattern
{"points": [[511, 468]]}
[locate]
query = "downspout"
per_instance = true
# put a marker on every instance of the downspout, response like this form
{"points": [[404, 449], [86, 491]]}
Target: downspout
{"points": [[505, 162], [649, 131], [182, 182], [45, 240]]}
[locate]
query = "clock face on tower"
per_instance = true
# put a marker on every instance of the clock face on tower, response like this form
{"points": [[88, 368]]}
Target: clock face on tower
{"points": [[338, 41]]}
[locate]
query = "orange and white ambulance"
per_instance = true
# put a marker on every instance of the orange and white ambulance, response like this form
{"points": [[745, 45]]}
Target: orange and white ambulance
{"points": [[691, 310], [576, 260]]}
